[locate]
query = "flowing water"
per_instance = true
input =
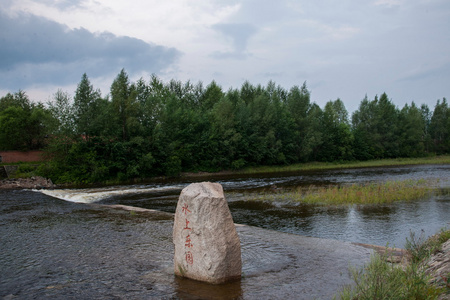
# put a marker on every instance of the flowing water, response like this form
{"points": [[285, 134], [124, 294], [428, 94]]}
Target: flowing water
{"points": [[82, 248], [376, 225]]}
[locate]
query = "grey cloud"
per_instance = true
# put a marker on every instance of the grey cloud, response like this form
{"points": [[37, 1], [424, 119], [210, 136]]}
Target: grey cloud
{"points": [[239, 34], [230, 55], [425, 74], [62, 4], [34, 46], [272, 75], [265, 11]]}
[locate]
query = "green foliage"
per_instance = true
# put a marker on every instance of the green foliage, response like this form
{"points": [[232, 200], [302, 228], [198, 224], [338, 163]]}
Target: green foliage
{"points": [[155, 128], [412, 131], [172, 166], [382, 280], [26, 170], [337, 137], [420, 248], [61, 110], [124, 106], [86, 108], [440, 127], [19, 99], [13, 130], [238, 164], [375, 126], [23, 125]]}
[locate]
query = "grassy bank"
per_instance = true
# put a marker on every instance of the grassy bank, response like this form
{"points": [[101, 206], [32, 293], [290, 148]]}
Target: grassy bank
{"points": [[23, 169], [445, 159], [380, 279], [31, 169]]}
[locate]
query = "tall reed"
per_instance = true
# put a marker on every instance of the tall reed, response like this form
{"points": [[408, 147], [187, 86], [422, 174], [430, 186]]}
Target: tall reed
{"points": [[380, 279], [369, 193]]}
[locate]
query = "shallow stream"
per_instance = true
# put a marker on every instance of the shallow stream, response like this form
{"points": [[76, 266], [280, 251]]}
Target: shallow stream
{"points": [[378, 225]]}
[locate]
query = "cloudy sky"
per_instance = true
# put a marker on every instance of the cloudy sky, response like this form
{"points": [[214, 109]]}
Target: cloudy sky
{"points": [[342, 49]]}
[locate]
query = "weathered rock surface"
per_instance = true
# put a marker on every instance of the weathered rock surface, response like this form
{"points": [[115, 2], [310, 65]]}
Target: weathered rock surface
{"points": [[207, 246], [438, 267], [36, 182]]}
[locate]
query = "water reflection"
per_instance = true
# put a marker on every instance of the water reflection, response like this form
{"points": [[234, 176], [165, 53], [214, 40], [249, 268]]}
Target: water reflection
{"points": [[379, 212], [192, 289]]}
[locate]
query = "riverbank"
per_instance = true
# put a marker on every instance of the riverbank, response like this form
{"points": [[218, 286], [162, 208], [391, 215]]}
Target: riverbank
{"points": [[28, 170], [422, 271], [34, 182], [322, 166], [438, 268], [444, 159]]}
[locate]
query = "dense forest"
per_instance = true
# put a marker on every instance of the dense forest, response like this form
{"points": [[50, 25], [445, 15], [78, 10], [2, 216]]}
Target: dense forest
{"points": [[144, 129]]}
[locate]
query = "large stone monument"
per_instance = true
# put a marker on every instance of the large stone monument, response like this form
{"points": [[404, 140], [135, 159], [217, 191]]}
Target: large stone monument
{"points": [[207, 246]]}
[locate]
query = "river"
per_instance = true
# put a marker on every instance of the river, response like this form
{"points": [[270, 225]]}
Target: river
{"points": [[378, 225], [67, 244]]}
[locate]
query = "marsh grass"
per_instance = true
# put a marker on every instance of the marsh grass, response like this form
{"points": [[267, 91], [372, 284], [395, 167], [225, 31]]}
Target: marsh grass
{"points": [[420, 248], [380, 279], [356, 194], [369, 193], [383, 280]]}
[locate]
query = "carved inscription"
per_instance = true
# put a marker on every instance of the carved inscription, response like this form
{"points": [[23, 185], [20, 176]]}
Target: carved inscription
{"points": [[188, 243]]}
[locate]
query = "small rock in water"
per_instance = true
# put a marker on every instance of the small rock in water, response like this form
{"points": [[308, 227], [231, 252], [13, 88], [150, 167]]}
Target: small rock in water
{"points": [[207, 246]]}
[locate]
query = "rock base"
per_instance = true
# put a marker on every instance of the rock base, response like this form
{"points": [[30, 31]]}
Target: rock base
{"points": [[438, 266], [35, 182]]}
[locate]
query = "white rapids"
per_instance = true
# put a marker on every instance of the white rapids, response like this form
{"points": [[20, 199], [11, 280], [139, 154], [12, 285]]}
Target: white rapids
{"points": [[97, 194]]}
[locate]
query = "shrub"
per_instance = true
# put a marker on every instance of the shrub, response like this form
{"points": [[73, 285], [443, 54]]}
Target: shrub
{"points": [[238, 164], [382, 280]]}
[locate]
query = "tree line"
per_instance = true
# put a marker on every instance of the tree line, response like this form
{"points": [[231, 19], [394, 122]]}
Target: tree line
{"points": [[144, 129]]}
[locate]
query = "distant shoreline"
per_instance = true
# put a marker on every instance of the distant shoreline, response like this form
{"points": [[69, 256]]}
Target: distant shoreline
{"points": [[316, 166], [28, 181]]}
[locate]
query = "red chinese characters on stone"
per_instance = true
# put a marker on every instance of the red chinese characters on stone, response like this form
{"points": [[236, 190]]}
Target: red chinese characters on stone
{"points": [[185, 209], [187, 225], [188, 243], [189, 257]]}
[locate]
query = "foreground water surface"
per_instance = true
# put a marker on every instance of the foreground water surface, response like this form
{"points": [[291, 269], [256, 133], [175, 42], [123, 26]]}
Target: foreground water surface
{"points": [[64, 244]]}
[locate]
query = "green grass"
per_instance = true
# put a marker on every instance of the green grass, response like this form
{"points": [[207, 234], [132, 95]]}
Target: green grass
{"points": [[24, 169], [420, 249], [360, 194], [370, 193], [380, 279], [445, 159]]}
